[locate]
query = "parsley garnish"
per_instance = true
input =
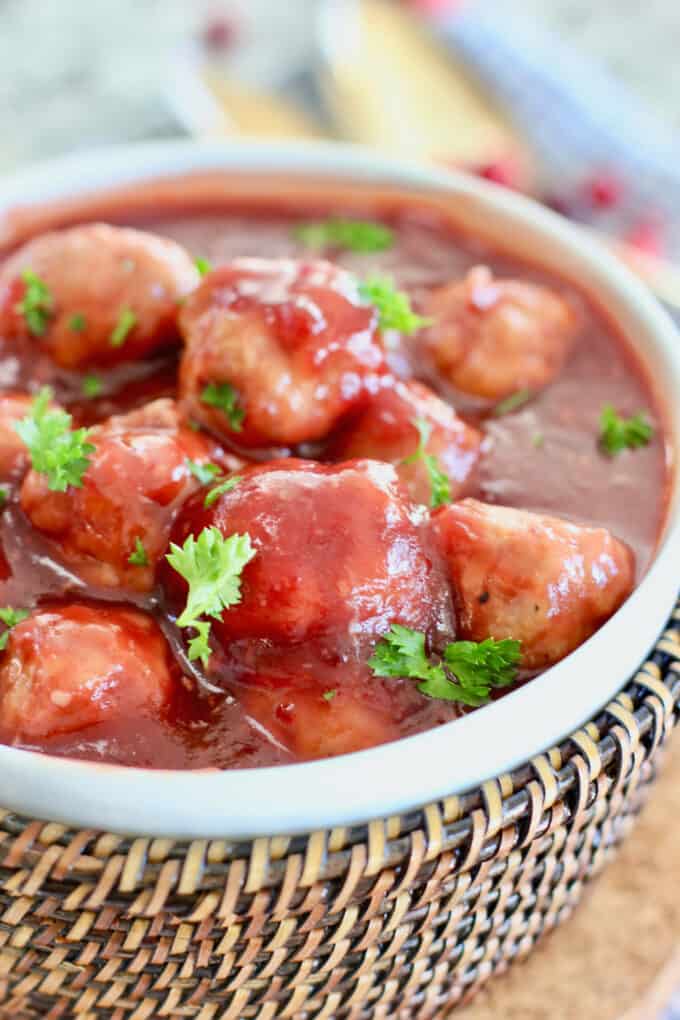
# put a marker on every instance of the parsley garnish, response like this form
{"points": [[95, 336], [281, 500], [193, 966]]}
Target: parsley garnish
{"points": [[139, 557], [440, 486], [204, 266], [77, 323], [226, 486], [211, 565], [538, 440], [205, 473], [329, 695], [353, 235], [91, 386], [512, 403], [10, 617], [617, 433], [224, 397], [127, 320], [37, 304], [56, 451], [393, 306], [4, 496], [466, 673]]}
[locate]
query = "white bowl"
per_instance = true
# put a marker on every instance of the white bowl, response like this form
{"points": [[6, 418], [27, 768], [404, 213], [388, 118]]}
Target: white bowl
{"points": [[443, 761]]}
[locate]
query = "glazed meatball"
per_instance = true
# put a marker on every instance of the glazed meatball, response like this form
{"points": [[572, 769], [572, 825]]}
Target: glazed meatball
{"points": [[313, 721], [136, 481], [387, 430], [95, 294], [13, 452], [491, 337], [75, 666], [541, 580], [341, 554], [277, 351]]}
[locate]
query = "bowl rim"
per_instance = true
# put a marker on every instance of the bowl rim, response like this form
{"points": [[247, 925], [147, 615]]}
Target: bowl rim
{"points": [[415, 770]]}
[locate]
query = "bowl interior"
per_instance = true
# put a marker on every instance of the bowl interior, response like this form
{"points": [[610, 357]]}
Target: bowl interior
{"points": [[458, 755]]}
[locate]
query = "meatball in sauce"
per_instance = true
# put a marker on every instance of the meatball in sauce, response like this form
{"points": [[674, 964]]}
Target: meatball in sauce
{"points": [[266, 500]]}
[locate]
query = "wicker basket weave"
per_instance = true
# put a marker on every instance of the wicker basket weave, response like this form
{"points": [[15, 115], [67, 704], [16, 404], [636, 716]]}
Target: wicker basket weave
{"points": [[404, 917]]}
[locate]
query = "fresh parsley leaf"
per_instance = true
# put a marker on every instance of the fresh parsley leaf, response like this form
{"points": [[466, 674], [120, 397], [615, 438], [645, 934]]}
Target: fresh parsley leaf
{"points": [[4, 496], [127, 320], [467, 673], [512, 403], [211, 565], [329, 695], [10, 617], [37, 304], [139, 557], [393, 306], [440, 486], [226, 486], [205, 473], [617, 433], [91, 386], [223, 396], [199, 646], [58, 452], [203, 265], [77, 323], [352, 235]]}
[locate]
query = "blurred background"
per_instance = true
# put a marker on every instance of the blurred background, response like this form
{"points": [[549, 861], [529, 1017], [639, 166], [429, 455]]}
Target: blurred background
{"points": [[574, 101]]}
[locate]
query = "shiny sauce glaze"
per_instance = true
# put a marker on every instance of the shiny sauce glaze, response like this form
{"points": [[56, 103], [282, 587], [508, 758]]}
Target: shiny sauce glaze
{"points": [[342, 552]]}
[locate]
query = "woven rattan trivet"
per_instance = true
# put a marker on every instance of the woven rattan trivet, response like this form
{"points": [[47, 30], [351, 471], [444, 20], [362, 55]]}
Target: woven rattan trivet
{"points": [[618, 957]]}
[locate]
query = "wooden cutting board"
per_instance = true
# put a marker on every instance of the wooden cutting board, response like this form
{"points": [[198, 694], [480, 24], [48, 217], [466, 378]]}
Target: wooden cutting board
{"points": [[618, 957]]}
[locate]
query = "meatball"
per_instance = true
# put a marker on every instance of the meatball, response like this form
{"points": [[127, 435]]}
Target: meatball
{"points": [[277, 351], [313, 721], [340, 556], [491, 337], [541, 580], [115, 528], [75, 666], [13, 452], [95, 294], [387, 430]]}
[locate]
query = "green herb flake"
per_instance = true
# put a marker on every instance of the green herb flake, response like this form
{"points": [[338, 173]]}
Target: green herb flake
{"points": [[538, 440], [359, 236], [512, 403], [211, 565], [77, 323], [440, 486], [203, 265], [329, 695], [224, 397], [4, 496], [127, 320], [393, 306], [466, 673], [204, 473], [37, 304], [139, 557], [10, 617], [57, 451], [91, 386], [226, 486], [617, 433]]}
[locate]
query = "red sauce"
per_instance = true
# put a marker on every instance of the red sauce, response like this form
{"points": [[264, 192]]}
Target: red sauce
{"points": [[543, 457]]}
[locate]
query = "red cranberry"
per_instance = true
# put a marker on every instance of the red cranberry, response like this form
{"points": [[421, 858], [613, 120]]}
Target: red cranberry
{"points": [[647, 235], [500, 171], [604, 190], [219, 33]]}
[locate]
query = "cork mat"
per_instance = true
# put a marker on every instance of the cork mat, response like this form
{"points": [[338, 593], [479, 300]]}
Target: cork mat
{"points": [[618, 957]]}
